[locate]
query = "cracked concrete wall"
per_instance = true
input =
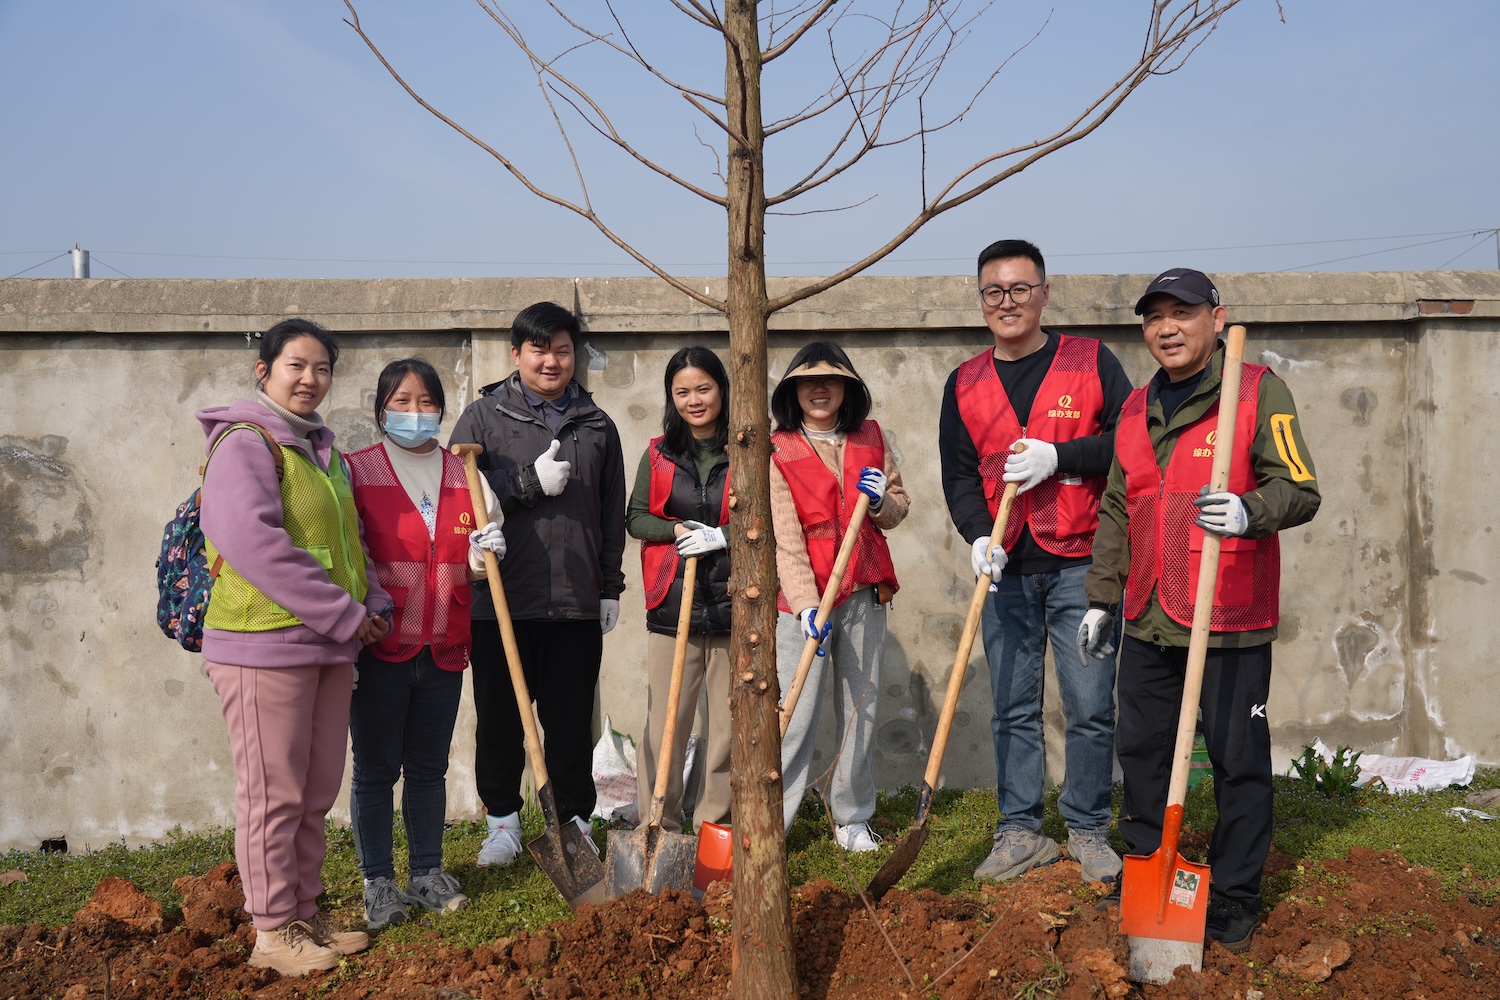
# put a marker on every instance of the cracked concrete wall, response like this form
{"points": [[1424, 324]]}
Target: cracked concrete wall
{"points": [[108, 730]]}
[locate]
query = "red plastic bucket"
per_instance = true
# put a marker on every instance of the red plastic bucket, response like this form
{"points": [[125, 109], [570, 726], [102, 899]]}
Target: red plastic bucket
{"points": [[715, 856]]}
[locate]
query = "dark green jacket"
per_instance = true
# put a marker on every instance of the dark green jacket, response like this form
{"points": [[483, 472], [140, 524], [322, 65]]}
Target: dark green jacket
{"points": [[1280, 501]]}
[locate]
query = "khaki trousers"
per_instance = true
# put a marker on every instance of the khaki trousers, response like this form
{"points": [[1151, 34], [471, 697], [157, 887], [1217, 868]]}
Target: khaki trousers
{"points": [[706, 668]]}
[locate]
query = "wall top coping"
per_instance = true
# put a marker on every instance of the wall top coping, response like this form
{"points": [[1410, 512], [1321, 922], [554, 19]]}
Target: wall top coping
{"points": [[648, 305]]}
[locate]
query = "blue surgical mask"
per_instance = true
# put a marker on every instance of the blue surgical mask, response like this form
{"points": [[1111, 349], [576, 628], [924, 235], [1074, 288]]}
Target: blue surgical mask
{"points": [[412, 430]]}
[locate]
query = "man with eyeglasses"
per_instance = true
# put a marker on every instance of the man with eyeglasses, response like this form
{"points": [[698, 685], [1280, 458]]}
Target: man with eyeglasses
{"points": [[1061, 396]]}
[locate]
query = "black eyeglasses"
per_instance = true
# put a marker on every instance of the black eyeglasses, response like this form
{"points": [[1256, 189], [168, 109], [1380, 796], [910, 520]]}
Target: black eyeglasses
{"points": [[1020, 294]]}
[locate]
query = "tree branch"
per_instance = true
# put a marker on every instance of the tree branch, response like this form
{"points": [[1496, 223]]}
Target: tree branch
{"points": [[581, 210]]}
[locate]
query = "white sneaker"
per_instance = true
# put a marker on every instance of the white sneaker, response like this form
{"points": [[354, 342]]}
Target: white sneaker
{"points": [[503, 844], [857, 837]]}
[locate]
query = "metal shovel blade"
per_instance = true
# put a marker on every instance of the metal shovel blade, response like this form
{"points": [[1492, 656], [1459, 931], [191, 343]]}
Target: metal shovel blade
{"points": [[566, 856], [1164, 932], [649, 858], [900, 861]]}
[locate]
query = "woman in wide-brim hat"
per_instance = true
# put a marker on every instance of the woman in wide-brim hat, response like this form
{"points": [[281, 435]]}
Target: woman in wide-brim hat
{"points": [[825, 451]]}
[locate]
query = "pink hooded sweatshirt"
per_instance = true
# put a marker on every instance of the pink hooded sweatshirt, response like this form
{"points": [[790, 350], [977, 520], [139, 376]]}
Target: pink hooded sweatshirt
{"points": [[242, 516]]}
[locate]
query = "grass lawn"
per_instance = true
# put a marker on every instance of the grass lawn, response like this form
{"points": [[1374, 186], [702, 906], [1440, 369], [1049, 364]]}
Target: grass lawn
{"points": [[1309, 827]]}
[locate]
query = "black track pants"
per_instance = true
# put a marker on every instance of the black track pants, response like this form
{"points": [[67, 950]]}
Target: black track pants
{"points": [[1236, 685], [561, 664]]}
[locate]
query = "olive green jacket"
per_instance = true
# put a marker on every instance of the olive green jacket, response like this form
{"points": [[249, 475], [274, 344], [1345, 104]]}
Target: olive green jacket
{"points": [[1285, 497]]}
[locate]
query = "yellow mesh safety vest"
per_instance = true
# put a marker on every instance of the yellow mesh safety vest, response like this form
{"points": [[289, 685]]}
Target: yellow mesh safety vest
{"points": [[319, 515]]}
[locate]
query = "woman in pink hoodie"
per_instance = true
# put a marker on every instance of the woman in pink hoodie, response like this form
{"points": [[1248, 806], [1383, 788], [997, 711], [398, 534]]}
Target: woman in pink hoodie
{"points": [[294, 602]]}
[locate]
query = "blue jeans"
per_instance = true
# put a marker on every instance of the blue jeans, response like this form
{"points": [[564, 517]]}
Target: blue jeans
{"points": [[1020, 616], [401, 725]]}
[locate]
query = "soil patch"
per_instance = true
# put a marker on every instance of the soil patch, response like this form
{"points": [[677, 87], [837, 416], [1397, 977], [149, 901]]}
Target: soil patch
{"points": [[1371, 925]]}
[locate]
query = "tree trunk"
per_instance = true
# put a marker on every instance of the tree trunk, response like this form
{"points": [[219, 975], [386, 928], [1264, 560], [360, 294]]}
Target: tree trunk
{"points": [[764, 962]]}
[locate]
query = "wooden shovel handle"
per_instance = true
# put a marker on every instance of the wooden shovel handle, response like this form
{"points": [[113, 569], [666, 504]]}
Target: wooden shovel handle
{"points": [[674, 693], [966, 639], [825, 608], [502, 616], [1208, 569]]}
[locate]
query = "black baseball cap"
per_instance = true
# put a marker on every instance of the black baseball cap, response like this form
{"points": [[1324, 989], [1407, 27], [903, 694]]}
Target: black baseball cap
{"points": [[1181, 283]]}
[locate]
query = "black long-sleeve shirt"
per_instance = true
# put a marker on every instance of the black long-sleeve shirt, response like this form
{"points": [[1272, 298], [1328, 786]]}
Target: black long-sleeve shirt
{"points": [[1086, 456]]}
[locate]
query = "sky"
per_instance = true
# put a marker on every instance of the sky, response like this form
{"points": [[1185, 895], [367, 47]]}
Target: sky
{"points": [[262, 138]]}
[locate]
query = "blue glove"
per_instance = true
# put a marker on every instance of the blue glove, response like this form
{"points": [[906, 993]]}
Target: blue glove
{"points": [[872, 483], [810, 628]]}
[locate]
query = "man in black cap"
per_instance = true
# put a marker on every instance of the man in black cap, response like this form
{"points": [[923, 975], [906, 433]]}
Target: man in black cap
{"points": [[1152, 520]]}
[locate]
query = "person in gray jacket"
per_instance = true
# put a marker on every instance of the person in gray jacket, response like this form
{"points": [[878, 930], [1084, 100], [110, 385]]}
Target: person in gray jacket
{"points": [[553, 459]]}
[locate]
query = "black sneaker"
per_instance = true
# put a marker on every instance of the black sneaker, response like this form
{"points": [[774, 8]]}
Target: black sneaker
{"points": [[1231, 924]]}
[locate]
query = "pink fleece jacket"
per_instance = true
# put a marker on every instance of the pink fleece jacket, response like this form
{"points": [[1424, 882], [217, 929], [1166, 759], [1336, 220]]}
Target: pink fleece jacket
{"points": [[242, 516]]}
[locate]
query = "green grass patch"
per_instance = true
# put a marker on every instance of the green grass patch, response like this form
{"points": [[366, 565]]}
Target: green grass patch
{"points": [[1309, 826]]}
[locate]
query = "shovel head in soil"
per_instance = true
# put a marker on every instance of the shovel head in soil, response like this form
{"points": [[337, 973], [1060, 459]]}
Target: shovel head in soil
{"points": [[1164, 908], [566, 855], [649, 858], [907, 849]]}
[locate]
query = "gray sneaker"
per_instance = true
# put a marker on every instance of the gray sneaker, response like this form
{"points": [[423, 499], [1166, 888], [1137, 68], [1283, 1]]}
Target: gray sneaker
{"points": [[1090, 848], [437, 891], [1016, 852], [384, 904]]}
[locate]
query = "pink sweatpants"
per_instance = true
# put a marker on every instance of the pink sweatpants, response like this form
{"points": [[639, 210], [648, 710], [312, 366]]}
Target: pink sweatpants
{"points": [[288, 733]]}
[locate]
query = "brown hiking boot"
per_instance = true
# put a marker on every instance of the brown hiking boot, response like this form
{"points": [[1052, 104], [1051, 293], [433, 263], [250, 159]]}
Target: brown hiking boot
{"points": [[329, 936], [291, 950]]}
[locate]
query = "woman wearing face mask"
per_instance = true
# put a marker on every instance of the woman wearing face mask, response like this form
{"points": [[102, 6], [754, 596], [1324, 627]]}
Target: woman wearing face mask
{"points": [[414, 501], [678, 509], [824, 452], [294, 602]]}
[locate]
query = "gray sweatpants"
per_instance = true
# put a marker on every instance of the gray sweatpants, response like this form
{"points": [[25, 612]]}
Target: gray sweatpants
{"points": [[854, 647]]}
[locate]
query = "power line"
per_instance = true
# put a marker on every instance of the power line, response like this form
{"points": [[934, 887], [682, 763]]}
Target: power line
{"points": [[35, 266], [1482, 237], [1374, 253], [96, 260]]}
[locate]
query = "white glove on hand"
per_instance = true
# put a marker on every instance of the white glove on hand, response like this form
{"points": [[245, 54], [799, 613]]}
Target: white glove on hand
{"points": [[1222, 513], [488, 539], [1031, 466], [1096, 635], [552, 474], [609, 613], [987, 564], [872, 483], [701, 539], [810, 630]]}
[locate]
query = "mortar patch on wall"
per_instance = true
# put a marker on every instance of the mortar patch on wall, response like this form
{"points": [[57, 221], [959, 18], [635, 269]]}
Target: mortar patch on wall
{"points": [[45, 519], [1362, 401]]}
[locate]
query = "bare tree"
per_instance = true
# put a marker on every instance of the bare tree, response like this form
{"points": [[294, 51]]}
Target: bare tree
{"points": [[883, 60]]}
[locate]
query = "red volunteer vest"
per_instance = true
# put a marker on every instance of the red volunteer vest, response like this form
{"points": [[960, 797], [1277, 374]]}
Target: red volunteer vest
{"points": [[821, 508], [426, 575], [1166, 547], [1063, 513], [659, 559]]}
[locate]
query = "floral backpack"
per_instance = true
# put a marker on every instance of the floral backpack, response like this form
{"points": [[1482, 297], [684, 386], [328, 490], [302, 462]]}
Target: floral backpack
{"points": [[183, 575]]}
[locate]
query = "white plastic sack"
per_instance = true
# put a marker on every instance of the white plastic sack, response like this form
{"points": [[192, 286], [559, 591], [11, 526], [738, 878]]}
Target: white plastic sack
{"points": [[1407, 774], [614, 769], [614, 776]]}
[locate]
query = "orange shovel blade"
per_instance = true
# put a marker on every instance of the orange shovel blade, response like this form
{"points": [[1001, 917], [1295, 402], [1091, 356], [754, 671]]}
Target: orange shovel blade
{"points": [[1163, 910]]}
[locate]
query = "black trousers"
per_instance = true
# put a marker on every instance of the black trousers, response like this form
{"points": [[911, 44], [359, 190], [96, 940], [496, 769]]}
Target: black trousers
{"points": [[1236, 685], [561, 664]]}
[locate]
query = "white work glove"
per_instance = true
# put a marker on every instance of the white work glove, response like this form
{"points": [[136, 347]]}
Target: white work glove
{"points": [[701, 539], [1096, 635], [1031, 466], [1221, 513], [609, 613], [551, 473], [809, 617], [488, 539], [989, 563], [872, 483]]}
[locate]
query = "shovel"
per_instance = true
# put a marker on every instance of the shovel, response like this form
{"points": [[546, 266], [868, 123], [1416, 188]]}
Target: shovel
{"points": [[649, 857], [1164, 899], [563, 852], [825, 608], [910, 845]]}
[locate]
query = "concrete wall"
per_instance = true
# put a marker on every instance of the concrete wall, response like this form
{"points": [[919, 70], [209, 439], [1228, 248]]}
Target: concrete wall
{"points": [[108, 730]]}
